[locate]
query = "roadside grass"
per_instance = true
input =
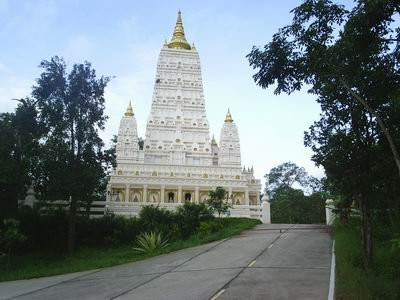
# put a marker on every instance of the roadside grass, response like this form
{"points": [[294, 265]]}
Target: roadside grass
{"points": [[88, 258], [352, 281]]}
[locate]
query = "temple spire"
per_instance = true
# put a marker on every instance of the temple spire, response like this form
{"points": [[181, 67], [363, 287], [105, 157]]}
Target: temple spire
{"points": [[178, 39], [228, 117], [213, 141], [129, 110]]}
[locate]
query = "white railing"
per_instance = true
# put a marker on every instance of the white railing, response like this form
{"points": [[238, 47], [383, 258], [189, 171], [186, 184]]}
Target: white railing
{"points": [[98, 208]]}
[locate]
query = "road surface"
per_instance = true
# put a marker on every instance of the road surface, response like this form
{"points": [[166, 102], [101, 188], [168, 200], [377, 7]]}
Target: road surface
{"points": [[275, 261]]}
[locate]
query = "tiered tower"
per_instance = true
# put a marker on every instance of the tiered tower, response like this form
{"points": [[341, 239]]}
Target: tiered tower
{"points": [[177, 130], [178, 162], [127, 140], [229, 153]]}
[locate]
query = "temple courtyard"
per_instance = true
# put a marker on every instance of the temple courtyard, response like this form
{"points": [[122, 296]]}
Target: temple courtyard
{"points": [[271, 261]]}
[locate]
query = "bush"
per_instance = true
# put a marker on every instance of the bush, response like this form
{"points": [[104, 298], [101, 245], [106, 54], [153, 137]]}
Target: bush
{"points": [[209, 227], [109, 229], [189, 217], [149, 242], [43, 232], [48, 232], [154, 218], [10, 236]]}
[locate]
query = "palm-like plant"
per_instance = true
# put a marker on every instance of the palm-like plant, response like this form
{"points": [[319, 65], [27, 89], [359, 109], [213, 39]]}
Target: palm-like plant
{"points": [[149, 242]]}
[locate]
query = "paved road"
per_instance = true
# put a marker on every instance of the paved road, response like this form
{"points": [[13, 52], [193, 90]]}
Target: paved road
{"points": [[269, 262]]}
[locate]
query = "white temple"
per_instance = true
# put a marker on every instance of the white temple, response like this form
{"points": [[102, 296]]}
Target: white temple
{"points": [[177, 161]]}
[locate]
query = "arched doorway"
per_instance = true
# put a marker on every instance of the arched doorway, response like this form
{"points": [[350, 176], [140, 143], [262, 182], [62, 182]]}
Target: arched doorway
{"points": [[171, 197], [188, 197]]}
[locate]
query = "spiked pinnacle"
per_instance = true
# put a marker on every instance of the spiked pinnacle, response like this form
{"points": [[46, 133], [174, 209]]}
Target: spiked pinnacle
{"points": [[228, 117], [129, 110], [213, 141], [178, 40]]}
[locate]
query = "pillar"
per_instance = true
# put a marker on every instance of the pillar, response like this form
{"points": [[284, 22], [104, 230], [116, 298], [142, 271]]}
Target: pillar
{"points": [[180, 194], [196, 195], [162, 200], [127, 192], [246, 196], [266, 212], [145, 193], [330, 216], [258, 198], [230, 195]]}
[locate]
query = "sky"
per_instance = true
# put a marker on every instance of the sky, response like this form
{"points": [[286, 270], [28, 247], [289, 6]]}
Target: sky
{"points": [[123, 38]]}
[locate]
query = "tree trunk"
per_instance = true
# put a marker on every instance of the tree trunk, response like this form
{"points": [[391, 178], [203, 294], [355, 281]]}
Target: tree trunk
{"points": [[71, 227], [366, 233]]}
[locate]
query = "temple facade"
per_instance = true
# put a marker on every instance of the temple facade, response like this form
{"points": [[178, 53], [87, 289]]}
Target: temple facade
{"points": [[178, 161]]}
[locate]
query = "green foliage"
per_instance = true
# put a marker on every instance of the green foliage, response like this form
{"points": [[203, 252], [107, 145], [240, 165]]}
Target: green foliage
{"points": [[395, 244], [209, 227], [382, 281], [342, 208], [70, 106], [150, 242], [350, 60], [43, 263], [19, 150], [108, 230], [288, 174], [218, 201], [154, 218], [189, 217], [10, 235], [293, 207]]}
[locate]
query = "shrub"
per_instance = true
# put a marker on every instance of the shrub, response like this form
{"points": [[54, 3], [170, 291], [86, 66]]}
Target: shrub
{"points": [[153, 218], [208, 227], [189, 217], [150, 242], [10, 235], [109, 229], [43, 232]]}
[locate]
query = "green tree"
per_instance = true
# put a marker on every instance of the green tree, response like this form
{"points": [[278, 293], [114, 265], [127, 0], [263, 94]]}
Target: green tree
{"points": [[71, 109], [288, 174], [218, 201], [350, 61], [20, 134]]}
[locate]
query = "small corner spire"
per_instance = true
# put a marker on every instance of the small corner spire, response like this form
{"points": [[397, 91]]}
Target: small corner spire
{"points": [[213, 141], [129, 111]]}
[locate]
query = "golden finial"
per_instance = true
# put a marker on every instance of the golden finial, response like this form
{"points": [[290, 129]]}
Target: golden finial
{"points": [[129, 110], [178, 40], [228, 117]]}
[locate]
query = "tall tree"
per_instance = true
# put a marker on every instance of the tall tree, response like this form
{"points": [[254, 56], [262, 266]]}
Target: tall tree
{"points": [[288, 174], [71, 108], [20, 134], [351, 61]]}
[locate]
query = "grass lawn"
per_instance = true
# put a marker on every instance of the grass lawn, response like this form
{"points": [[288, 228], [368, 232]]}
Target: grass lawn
{"points": [[352, 282], [87, 258]]}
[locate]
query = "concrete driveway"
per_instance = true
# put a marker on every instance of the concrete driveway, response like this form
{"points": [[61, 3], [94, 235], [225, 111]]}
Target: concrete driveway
{"points": [[269, 262]]}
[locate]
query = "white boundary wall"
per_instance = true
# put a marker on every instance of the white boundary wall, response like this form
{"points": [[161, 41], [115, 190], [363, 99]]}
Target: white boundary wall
{"points": [[98, 208]]}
